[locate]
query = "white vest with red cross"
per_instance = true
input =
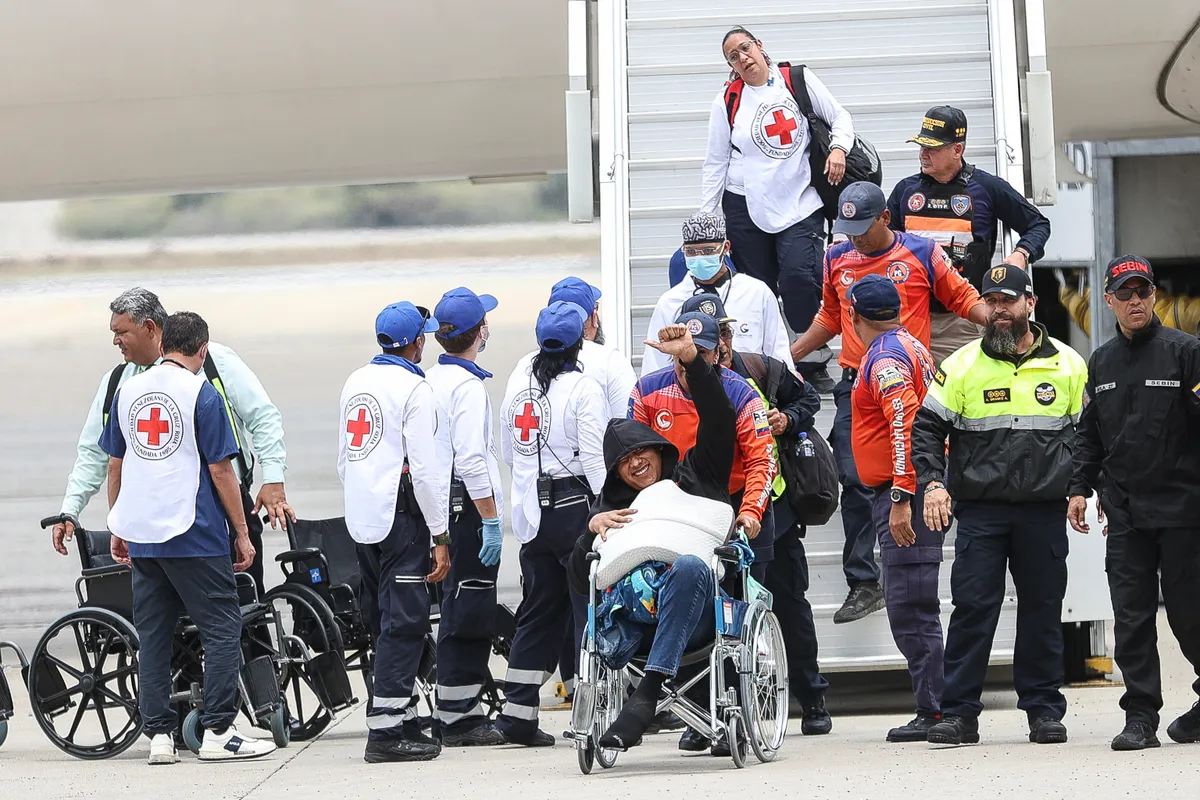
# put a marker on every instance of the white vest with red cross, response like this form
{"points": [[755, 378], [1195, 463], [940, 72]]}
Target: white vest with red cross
{"points": [[388, 417], [160, 473]]}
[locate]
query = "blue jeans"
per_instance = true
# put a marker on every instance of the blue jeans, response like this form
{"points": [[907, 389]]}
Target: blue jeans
{"points": [[858, 555], [685, 615], [163, 589]]}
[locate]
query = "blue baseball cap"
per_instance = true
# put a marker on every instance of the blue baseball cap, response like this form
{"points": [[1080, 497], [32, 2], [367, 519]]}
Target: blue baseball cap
{"points": [[577, 291], [874, 297], [463, 309], [705, 330], [401, 323], [705, 303], [858, 206], [560, 326]]}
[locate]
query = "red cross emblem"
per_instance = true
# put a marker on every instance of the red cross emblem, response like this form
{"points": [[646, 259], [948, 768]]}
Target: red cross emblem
{"points": [[527, 421], [781, 128], [154, 427], [359, 429]]}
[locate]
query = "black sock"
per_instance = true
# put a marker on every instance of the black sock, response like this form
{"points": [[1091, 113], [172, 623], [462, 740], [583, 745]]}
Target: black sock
{"points": [[636, 716]]}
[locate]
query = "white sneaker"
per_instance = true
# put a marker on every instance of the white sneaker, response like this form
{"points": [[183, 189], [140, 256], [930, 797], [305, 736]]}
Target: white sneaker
{"points": [[233, 745], [162, 750]]}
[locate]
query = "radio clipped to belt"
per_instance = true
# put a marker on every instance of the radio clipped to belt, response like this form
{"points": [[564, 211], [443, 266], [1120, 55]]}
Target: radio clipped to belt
{"points": [[458, 496], [408, 495]]}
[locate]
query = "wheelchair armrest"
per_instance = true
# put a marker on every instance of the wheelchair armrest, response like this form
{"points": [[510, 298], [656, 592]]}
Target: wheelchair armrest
{"points": [[99, 572], [592, 555], [728, 554], [292, 556]]}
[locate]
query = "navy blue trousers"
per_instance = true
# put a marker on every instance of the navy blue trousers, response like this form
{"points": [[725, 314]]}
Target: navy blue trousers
{"points": [[910, 587], [787, 580], [789, 261], [858, 554], [468, 622], [543, 616], [1030, 540], [395, 601]]}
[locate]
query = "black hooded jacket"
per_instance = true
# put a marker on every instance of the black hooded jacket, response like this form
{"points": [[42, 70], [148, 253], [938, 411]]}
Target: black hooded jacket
{"points": [[704, 471]]}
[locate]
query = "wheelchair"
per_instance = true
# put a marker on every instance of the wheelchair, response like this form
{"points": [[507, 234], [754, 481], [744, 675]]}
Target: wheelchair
{"points": [[6, 697], [748, 639], [87, 660], [320, 601]]}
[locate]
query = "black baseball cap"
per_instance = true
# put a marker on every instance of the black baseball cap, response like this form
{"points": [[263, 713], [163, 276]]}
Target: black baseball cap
{"points": [[705, 303], [704, 329], [1122, 268], [1007, 279], [942, 125], [859, 205], [875, 297]]}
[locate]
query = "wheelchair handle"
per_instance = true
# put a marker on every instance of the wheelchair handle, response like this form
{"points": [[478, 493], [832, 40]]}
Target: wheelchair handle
{"points": [[727, 553], [592, 555], [50, 522]]}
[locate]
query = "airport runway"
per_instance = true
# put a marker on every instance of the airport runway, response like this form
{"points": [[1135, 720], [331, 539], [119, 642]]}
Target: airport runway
{"points": [[302, 329]]}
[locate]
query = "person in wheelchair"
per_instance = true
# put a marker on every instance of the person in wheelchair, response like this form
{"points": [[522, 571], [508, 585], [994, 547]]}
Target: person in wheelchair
{"points": [[173, 494], [637, 458]]}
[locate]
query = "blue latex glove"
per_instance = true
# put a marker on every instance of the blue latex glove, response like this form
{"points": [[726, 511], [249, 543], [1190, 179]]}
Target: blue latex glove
{"points": [[493, 541]]}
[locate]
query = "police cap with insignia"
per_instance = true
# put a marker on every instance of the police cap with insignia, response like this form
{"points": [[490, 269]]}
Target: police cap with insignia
{"points": [[1008, 280], [941, 126], [703, 327], [705, 303]]}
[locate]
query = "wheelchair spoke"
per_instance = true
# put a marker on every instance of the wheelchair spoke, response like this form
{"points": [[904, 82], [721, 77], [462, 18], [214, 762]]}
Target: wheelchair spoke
{"points": [[78, 717], [103, 720], [83, 655], [102, 650], [120, 702], [64, 666]]}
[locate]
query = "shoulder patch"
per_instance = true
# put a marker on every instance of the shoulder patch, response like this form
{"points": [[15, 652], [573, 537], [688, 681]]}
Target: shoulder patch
{"points": [[939, 377], [997, 395], [889, 379], [761, 426]]}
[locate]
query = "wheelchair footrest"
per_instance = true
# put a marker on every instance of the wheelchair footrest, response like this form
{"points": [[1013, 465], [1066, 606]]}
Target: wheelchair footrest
{"points": [[331, 681], [262, 685]]}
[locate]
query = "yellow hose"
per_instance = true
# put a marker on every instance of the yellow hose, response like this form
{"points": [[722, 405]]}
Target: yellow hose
{"points": [[1182, 313]]}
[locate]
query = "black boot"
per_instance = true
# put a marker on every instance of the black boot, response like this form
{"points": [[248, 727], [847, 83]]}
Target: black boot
{"points": [[917, 730], [1186, 729], [1047, 730], [955, 730], [816, 720], [863, 599], [692, 741], [400, 750], [1137, 735]]}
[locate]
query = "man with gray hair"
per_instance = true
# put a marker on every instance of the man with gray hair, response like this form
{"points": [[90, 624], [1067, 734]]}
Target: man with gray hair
{"points": [[759, 327], [137, 325]]}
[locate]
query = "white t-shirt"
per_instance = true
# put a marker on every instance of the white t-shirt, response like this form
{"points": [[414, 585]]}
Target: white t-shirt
{"points": [[765, 157]]}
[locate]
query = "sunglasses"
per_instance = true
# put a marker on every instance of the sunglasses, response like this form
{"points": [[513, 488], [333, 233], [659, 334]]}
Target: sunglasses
{"points": [[1127, 292]]}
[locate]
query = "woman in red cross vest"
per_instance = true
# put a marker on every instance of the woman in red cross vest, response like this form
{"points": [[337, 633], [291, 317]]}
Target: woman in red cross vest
{"points": [[757, 168]]}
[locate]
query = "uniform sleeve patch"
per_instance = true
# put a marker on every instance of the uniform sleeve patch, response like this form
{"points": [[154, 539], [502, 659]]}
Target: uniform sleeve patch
{"points": [[761, 426], [889, 379], [1196, 390], [997, 395], [939, 377]]}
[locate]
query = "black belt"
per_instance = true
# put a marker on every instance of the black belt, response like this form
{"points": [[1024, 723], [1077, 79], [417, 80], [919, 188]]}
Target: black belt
{"points": [[849, 374], [570, 486]]}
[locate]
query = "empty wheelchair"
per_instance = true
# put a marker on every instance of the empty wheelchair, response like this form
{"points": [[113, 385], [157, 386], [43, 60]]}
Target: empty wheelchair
{"points": [[87, 661], [746, 671], [320, 603], [6, 697]]}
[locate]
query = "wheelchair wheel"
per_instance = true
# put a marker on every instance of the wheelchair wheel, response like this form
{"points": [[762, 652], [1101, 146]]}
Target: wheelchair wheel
{"points": [[764, 683], [610, 696], [87, 660], [736, 731], [3, 730], [281, 730], [193, 731], [303, 614]]}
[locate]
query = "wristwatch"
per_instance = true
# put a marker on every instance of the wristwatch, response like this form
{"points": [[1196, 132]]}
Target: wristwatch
{"points": [[901, 496], [442, 539]]}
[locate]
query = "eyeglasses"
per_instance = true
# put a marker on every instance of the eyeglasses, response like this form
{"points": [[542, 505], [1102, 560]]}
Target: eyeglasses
{"points": [[1127, 292], [726, 333], [702, 250], [735, 55]]}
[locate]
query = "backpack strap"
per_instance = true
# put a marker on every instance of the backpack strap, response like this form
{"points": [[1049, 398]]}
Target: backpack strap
{"points": [[733, 98], [794, 77], [114, 380], [775, 370], [757, 368], [214, 377]]}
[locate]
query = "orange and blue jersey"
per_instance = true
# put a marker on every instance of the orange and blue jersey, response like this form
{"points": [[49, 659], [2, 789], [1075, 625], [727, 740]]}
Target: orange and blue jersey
{"points": [[892, 380], [659, 401], [917, 266]]}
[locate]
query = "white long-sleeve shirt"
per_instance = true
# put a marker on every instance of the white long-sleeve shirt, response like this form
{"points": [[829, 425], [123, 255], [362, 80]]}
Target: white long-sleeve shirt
{"points": [[759, 327], [765, 156], [257, 420], [465, 431]]}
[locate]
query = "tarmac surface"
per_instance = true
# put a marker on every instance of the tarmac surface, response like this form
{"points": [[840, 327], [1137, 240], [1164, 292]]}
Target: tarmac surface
{"points": [[303, 329]]}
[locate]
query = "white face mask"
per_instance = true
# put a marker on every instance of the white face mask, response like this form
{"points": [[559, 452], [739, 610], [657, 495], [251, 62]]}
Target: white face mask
{"points": [[484, 335]]}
